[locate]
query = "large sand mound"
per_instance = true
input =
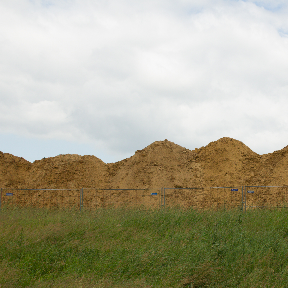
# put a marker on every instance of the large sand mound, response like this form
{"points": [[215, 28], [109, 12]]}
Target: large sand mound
{"points": [[225, 162]]}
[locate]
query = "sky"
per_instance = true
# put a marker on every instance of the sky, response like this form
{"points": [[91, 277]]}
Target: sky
{"points": [[109, 77]]}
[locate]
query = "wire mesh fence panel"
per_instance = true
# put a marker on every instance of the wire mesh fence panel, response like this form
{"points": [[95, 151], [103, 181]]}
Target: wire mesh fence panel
{"points": [[37, 198], [226, 197], [93, 198], [105, 198], [56, 199], [119, 198], [21, 198], [70, 198], [122, 197], [201, 199], [7, 197], [40, 198], [181, 197], [149, 198], [12, 198], [266, 197]]}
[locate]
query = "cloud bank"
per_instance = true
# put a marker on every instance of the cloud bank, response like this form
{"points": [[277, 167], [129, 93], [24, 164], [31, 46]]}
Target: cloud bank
{"points": [[120, 75]]}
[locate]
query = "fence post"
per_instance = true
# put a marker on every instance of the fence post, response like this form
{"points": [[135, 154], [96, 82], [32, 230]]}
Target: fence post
{"points": [[242, 200], [82, 198], [245, 197], [80, 195]]}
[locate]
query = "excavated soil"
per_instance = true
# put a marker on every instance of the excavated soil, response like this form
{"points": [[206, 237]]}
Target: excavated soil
{"points": [[224, 163]]}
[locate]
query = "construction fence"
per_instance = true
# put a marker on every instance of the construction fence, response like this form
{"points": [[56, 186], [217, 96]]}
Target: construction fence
{"points": [[83, 198], [241, 197]]}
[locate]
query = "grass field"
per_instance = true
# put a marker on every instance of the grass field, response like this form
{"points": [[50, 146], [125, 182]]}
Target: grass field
{"points": [[137, 248]]}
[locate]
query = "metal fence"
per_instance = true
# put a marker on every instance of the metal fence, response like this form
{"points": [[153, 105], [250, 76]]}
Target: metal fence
{"points": [[102, 198], [50, 198], [183, 197], [243, 197], [226, 197], [266, 197], [250, 197], [84, 198]]}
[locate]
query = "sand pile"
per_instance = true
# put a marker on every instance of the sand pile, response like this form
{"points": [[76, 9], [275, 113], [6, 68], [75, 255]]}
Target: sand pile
{"points": [[272, 169], [161, 164], [68, 171], [228, 162], [14, 171], [225, 162]]}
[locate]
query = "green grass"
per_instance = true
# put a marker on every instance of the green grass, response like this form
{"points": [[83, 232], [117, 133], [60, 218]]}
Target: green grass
{"points": [[137, 248]]}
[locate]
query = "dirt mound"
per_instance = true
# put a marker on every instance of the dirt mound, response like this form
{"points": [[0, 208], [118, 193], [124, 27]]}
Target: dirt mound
{"points": [[68, 171], [273, 169], [161, 164], [13, 171], [225, 162]]}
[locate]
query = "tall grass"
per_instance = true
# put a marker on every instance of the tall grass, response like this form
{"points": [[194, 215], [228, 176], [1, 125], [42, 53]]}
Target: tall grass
{"points": [[137, 248]]}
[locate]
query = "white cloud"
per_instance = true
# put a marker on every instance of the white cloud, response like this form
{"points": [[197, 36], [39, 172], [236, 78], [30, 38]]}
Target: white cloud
{"points": [[122, 74]]}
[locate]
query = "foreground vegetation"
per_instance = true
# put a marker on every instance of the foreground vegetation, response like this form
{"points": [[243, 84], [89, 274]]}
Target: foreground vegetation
{"points": [[137, 248]]}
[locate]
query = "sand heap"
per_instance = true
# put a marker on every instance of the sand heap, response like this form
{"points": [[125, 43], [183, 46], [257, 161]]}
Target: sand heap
{"points": [[14, 171], [225, 162], [161, 164], [68, 171]]}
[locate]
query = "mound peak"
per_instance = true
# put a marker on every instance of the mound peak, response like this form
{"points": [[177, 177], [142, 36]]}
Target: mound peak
{"points": [[159, 164], [229, 144], [164, 144], [227, 162], [13, 170]]}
